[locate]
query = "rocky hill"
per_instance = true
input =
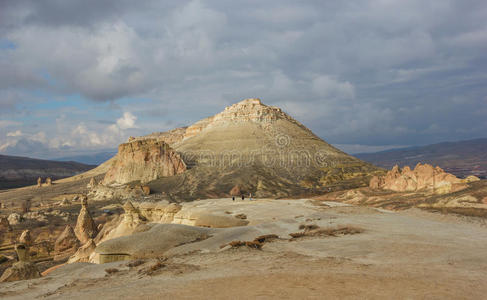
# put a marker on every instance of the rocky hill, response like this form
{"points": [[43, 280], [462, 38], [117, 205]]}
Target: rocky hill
{"points": [[16, 171], [461, 158], [250, 147]]}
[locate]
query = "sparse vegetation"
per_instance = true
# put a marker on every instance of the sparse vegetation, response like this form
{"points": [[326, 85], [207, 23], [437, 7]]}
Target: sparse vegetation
{"points": [[316, 231], [241, 216], [150, 270], [257, 243], [135, 263], [111, 270]]}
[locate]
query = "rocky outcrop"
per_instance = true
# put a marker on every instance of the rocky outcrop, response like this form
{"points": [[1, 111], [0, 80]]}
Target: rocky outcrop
{"points": [[67, 241], [26, 238], [83, 253], [48, 181], [35, 215], [85, 226], [151, 243], [4, 224], [423, 177], [14, 218], [251, 109], [124, 192], [92, 183], [471, 178], [144, 161], [21, 270]]}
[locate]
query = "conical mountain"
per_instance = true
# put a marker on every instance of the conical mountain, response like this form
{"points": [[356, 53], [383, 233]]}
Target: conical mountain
{"points": [[259, 148]]}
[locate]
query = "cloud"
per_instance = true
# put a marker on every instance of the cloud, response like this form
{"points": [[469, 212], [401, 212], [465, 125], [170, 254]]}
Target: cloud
{"points": [[15, 133], [9, 123], [355, 73], [127, 121], [328, 87]]}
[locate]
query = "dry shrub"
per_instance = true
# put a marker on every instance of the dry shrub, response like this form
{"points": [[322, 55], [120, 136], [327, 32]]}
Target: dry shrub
{"points": [[257, 243], [135, 263], [150, 270], [266, 238], [308, 227], [316, 232], [249, 244], [241, 216], [111, 270]]}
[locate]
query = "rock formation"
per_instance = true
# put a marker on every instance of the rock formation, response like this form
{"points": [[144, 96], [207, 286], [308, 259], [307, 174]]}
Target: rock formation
{"points": [[235, 191], [471, 178], [39, 182], [92, 183], [26, 238], [85, 226], [4, 224], [423, 177], [64, 202], [14, 218], [21, 270], [84, 252], [144, 160], [48, 181], [67, 241]]}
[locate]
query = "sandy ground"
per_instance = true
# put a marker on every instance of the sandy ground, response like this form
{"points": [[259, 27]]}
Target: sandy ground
{"points": [[409, 254]]}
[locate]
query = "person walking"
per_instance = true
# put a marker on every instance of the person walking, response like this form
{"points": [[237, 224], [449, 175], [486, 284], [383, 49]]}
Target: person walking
{"points": [[233, 198], [243, 197]]}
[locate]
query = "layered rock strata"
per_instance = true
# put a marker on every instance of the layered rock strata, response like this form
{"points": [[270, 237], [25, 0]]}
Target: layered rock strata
{"points": [[144, 161]]}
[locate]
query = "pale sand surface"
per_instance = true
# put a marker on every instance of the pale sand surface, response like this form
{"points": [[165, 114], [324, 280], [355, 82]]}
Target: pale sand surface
{"points": [[410, 254]]}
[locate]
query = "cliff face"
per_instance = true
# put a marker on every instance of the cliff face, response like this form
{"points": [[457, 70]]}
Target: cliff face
{"points": [[144, 160]]}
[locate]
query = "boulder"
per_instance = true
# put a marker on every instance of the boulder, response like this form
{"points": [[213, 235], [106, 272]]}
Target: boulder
{"points": [[67, 240], [83, 253], [26, 238], [14, 219], [35, 215], [146, 190], [4, 224], [64, 202], [144, 161], [235, 191], [85, 226]]}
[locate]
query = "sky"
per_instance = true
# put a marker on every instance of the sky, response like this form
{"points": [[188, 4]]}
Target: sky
{"points": [[82, 76]]}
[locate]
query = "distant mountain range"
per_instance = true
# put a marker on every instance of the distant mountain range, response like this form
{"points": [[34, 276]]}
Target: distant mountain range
{"points": [[90, 159], [461, 158], [16, 171]]}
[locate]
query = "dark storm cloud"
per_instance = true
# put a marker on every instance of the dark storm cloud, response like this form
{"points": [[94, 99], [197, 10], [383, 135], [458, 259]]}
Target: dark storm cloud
{"points": [[356, 72]]}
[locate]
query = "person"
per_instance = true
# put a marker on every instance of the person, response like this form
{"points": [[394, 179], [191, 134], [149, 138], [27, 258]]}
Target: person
{"points": [[250, 196], [233, 198], [243, 197]]}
